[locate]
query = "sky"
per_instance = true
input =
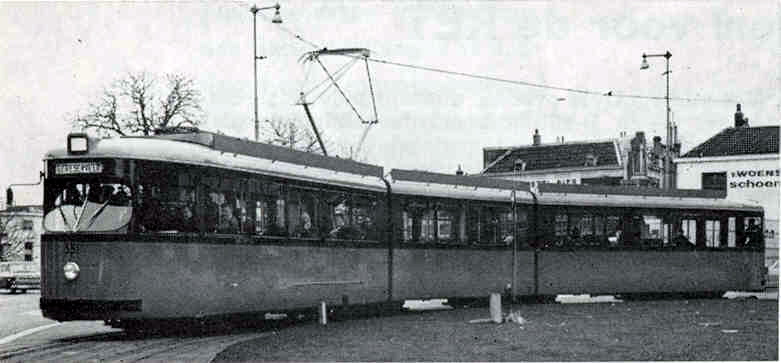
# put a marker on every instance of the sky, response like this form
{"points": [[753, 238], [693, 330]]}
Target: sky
{"points": [[57, 57]]}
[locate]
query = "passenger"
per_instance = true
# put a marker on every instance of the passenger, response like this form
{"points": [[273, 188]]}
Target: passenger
{"points": [[73, 196], [120, 197], [615, 239], [187, 222], [682, 243], [305, 226], [94, 193], [106, 192], [228, 222], [753, 235]]}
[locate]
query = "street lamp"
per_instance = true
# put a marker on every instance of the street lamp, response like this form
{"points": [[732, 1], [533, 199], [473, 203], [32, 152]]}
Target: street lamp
{"points": [[667, 173], [277, 19]]}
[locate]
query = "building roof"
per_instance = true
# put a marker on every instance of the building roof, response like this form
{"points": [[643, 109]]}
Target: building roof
{"points": [[738, 141], [551, 156]]}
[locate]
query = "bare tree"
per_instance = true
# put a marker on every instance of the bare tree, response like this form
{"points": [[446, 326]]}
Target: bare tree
{"points": [[289, 134], [13, 236], [131, 106]]}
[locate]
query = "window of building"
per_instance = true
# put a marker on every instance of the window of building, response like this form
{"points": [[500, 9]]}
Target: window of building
{"points": [[714, 181], [28, 246], [28, 257], [27, 225]]}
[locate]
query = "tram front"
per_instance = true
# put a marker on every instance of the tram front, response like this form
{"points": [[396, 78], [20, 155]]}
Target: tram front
{"points": [[87, 207]]}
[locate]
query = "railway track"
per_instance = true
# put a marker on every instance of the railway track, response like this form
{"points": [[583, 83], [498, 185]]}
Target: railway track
{"points": [[129, 347]]}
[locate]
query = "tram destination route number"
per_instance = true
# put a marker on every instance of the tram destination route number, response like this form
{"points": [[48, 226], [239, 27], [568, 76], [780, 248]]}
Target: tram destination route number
{"points": [[79, 168]]}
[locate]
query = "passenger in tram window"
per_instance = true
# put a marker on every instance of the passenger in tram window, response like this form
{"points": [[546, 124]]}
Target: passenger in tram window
{"points": [[574, 236], [186, 222], [304, 228], [753, 235], [120, 197], [682, 243], [615, 239], [94, 193], [228, 222], [73, 196]]}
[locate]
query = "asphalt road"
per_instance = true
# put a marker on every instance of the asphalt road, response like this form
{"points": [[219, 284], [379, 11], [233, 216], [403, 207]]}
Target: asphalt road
{"points": [[19, 313]]}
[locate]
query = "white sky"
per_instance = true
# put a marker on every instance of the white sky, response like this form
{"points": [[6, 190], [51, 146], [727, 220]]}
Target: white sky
{"points": [[56, 57]]}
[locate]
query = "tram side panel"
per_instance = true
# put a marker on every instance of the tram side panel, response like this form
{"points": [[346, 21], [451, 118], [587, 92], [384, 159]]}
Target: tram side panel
{"points": [[563, 272], [423, 272], [172, 280]]}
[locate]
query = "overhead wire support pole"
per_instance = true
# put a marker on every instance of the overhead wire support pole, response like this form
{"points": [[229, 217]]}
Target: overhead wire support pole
{"points": [[312, 123], [371, 89]]}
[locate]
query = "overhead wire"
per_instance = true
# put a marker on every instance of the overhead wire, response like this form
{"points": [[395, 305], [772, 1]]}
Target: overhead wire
{"points": [[608, 93]]}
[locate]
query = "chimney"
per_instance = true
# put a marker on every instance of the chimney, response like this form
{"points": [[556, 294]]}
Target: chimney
{"points": [[459, 171], [536, 138], [740, 121]]}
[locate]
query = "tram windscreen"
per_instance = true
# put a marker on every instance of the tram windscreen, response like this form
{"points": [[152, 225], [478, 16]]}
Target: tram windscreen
{"points": [[77, 206]]}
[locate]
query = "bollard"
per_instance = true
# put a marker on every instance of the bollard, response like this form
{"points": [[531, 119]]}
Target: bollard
{"points": [[496, 308], [323, 313]]}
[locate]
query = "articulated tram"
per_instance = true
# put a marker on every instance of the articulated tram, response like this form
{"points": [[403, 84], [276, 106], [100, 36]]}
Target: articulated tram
{"points": [[201, 225]]}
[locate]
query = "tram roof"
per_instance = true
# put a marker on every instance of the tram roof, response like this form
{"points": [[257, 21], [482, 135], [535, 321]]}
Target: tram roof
{"points": [[215, 150], [428, 184], [630, 190], [637, 197], [236, 145], [461, 180]]}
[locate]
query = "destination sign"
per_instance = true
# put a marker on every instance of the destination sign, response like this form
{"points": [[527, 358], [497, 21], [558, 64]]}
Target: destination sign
{"points": [[79, 168]]}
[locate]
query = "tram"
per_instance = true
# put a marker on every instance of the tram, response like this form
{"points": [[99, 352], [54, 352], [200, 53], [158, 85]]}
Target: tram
{"points": [[197, 225]]}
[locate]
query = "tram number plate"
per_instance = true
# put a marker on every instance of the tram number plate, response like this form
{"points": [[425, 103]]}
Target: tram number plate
{"points": [[71, 248]]}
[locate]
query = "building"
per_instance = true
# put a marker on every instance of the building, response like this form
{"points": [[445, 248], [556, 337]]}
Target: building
{"points": [[743, 161], [625, 160], [20, 233]]}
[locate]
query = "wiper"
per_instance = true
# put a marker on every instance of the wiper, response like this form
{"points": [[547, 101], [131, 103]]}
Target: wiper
{"points": [[96, 214], [83, 207]]}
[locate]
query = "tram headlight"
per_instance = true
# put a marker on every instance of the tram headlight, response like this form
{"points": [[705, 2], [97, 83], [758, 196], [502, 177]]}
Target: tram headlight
{"points": [[71, 271]]}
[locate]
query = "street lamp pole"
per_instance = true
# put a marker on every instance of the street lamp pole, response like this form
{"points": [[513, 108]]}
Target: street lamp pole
{"points": [[277, 19], [667, 179]]}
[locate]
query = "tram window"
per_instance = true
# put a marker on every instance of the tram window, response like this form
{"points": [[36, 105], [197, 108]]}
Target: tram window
{"points": [[614, 231], [753, 235], [561, 229], [445, 223], [496, 225], [689, 229], [406, 218], [79, 206], [165, 197], [302, 210], [731, 235], [351, 216], [599, 227], [652, 232], [269, 203], [412, 215], [712, 233], [364, 209], [427, 226]]}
